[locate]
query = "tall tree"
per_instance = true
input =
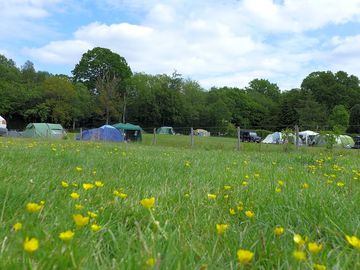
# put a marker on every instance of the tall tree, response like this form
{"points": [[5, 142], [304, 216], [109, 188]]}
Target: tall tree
{"points": [[339, 118], [354, 121], [105, 73]]}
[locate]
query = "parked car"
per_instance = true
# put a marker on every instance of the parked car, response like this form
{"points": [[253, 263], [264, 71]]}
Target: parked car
{"points": [[357, 142], [249, 136], [3, 129]]}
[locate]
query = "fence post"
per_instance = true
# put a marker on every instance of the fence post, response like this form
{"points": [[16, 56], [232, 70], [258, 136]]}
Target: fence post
{"points": [[238, 138], [154, 138], [80, 134], [297, 136], [192, 137]]}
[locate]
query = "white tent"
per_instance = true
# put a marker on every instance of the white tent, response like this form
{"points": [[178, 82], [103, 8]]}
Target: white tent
{"points": [[340, 141], [308, 137], [201, 132], [274, 138], [278, 138]]}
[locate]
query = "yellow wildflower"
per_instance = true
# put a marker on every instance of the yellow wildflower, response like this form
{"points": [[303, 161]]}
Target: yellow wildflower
{"points": [[64, 184], [299, 255], [244, 256], [148, 202], [17, 226], [353, 240], [79, 169], [67, 235], [88, 186], [211, 196], [92, 214], [299, 240], [232, 211], [75, 195], [319, 267], [187, 163], [226, 196], [78, 206], [99, 184], [278, 189], [186, 195], [250, 214], [116, 193], [95, 227], [31, 245], [281, 183], [33, 207], [245, 183], [150, 262], [305, 186], [340, 184], [221, 228], [279, 231], [123, 195], [94, 173], [314, 247], [80, 221], [227, 187]]}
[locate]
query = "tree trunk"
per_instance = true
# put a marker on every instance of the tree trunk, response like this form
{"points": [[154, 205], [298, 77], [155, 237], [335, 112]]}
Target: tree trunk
{"points": [[73, 127], [124, 109]]}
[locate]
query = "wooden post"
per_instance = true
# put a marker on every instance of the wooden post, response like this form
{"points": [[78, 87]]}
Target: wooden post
{"points": [[154, 138], [238, 138], [297, 136], [192, 137], [80, 134]]}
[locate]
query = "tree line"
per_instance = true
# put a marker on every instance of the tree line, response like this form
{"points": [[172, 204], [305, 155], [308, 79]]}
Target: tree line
{"points": [[103, 89]]}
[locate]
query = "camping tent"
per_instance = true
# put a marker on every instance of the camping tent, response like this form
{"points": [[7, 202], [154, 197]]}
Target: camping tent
{"points": [[274, 138], [278, 138], [104, 133], [131, 132], [340, 141], [308, 137], [44, 130], [165, 130], [201, 132]]}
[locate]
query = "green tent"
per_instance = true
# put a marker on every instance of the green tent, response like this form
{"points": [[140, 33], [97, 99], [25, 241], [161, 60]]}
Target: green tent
{"points": [[165, 130], [131, 132], [44, 130]]}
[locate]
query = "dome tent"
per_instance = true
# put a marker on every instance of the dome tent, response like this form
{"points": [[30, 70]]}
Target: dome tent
{"points": [[165, 130], [131, 132], [44, 130], [103, 133]]}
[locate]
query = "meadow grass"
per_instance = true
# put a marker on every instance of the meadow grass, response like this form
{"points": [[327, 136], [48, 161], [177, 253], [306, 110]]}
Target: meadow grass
{"points": [[319, 200]]}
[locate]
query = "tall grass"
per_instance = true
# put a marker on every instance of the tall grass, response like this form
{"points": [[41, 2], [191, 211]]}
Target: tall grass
{"points": [[180, 231]]}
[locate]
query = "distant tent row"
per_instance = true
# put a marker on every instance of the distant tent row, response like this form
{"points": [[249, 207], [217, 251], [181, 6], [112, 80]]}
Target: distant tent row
{"points": [[116, 133], [309, 137]]}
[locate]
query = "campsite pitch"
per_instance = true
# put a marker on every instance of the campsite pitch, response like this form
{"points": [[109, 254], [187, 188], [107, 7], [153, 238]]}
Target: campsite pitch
{"points": [[86, 205]]}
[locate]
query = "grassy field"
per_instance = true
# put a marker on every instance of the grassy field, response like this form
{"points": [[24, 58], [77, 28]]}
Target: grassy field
{"points": [[313, 194]]}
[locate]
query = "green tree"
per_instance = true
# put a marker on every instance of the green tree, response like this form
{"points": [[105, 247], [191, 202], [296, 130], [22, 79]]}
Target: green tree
{"points": [[312, 115], [59, 93], [106, 74], [354, 119], [264, 87], [339, 118]]}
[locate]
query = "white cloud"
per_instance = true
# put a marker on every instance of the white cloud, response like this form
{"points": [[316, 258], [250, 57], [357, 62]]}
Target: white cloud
{"points": [[345, 54], [218, 43]]}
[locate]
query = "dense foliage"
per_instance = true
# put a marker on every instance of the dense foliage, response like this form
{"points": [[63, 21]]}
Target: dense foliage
{"points": [[104, 89]]}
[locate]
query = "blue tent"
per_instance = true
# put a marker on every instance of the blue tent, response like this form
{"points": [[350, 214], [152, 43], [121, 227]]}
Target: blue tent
{"points": [[104, 133]]}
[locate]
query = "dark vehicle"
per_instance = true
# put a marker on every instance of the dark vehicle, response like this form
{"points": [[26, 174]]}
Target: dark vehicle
{"points": [[249, 136], [357, 142]]}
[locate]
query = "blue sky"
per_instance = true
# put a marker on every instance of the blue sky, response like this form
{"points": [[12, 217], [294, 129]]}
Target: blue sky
{"points": [[218, 43]]}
